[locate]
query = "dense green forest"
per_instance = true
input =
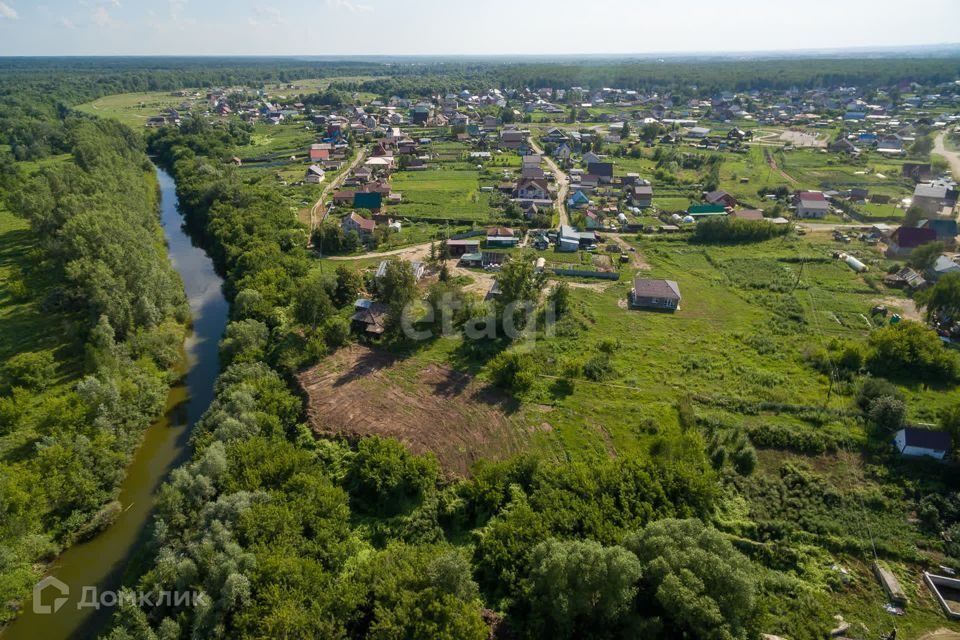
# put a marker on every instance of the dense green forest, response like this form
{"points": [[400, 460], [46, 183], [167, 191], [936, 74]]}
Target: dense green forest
{"points": [[73, 406]]}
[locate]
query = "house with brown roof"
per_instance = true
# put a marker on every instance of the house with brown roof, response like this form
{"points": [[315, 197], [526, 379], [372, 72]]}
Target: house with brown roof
{"points": [[747, 214], [655, 294], [370, 317], [720, 197], [356, 222], [533, 189]]}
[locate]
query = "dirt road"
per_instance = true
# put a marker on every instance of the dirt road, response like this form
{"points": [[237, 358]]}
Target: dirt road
{"points": [[939, 148], [414, 252], [563, 183], [335, 184], [773, 165]]}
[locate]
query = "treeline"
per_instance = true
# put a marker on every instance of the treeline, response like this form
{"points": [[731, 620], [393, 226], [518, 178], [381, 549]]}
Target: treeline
{"points": [[38, 93], [73, 420]]}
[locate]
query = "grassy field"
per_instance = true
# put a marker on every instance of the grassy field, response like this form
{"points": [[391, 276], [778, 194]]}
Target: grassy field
{"points": [[133, 108], [749, 316]]}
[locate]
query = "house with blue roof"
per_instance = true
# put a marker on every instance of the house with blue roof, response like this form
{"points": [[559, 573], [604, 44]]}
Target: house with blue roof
{"points": [[578, 199]]}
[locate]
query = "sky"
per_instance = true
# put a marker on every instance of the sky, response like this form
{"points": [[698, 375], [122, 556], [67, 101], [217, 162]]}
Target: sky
{"points": [[458, 27]]}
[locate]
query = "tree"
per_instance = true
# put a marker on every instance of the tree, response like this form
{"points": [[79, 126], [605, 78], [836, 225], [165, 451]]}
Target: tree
{"points": [[888, 414], [580, 589], [923, 257], [397, 287], [922, 146], [520, 286], [347, 286], [512, 372], [949, 420], [942, 300], [385, 479], [311, 303], [244, 341], [913, 216], [560, 298], [695, 580], [911, 351]]}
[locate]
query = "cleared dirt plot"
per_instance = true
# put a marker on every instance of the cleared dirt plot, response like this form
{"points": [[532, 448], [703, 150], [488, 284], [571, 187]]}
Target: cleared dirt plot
{"points": [[363, 392]]}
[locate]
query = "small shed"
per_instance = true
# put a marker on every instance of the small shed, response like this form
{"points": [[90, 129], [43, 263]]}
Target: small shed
{"points": [[923, 442]]}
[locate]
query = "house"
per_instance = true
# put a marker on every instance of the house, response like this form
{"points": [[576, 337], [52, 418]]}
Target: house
{"points": [[602, 170], [578, 199], [698, 132], [457, 248], [315, 174], [720, 197], [555, 135], [372, 200], [641, 195], [905, 278], [747, 214], [812, 204], [533, 189], [320, 152], [562, 152], [513, 139], [343, 197], [501, 237], [905, 239], [589, 157], [843, 146], [369, 317], [706, 210], [918, 171], [923, 442], [655, 294], [569, 239], [942, 266], [946, 229], [356, 222], [932, 198]]}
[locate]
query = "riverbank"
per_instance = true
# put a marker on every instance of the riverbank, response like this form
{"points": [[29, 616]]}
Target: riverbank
{"points": [[100, 562]]}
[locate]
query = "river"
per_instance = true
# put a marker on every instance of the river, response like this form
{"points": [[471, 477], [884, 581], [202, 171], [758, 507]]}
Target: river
{"points": [[101, 561]]}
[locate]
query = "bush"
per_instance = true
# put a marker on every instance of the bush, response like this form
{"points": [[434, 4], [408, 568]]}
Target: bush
{"points": [[870, 389], [599, 368], [32, 370], [888, 413], [512, 372], [911, 351], [717, 231]]}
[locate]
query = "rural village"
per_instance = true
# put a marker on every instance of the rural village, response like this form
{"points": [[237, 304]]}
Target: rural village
{"points": [[741, 305]]}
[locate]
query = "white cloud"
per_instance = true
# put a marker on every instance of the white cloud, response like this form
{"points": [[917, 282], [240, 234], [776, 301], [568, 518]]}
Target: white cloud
{"points": [[266, 16], [349, 5], [67, 23], [6, 11], [102, 18]]}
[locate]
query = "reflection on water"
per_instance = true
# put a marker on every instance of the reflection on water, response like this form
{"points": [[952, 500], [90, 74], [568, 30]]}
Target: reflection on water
{"points": [[101, 561]]}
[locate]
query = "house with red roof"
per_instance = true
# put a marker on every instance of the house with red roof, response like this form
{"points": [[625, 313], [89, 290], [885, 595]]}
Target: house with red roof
{"points": [[812, 204]]}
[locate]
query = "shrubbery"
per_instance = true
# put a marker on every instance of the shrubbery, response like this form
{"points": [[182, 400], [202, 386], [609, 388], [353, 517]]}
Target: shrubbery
{"points": [[736, 230]]}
